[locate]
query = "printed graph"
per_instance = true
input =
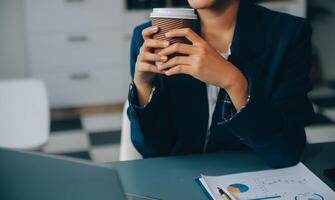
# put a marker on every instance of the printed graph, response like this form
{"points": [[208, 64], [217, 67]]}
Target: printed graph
{"points": [[309, 196], [237, 188], [283, 181]]}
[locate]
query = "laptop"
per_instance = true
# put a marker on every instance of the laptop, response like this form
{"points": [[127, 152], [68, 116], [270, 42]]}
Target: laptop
{"points": [[36, 176]]}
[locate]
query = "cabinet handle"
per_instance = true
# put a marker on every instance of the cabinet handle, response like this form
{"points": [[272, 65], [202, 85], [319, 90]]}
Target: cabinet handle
{"points": [[77, 38], [80, 76], [74, 1]]}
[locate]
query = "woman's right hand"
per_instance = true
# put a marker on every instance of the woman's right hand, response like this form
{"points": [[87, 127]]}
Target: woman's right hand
{"points": [[145, 68]]}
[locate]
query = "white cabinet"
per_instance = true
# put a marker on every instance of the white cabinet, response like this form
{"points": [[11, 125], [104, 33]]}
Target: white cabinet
{"points": [[80, 48], [60, 15], [77, 49], [80, 87]]}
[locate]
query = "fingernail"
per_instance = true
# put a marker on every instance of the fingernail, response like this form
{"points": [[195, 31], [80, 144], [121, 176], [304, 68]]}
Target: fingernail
{"points": [[155, 28], [164, 58], [167, 34], [166, 43]]}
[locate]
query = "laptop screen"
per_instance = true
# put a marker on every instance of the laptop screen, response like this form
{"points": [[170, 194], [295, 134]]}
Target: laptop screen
{"points": [[27, 175]]}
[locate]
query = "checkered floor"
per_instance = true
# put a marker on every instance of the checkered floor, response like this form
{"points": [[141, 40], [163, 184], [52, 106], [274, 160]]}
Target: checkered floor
{"points": [[93, 137], [97, 137]]}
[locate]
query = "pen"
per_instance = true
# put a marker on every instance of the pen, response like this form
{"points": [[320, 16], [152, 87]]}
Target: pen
{"points": [[224, 195]]}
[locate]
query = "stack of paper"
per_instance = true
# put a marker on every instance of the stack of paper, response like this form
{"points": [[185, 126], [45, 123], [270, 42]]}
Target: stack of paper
{"points": [[293, 183]]}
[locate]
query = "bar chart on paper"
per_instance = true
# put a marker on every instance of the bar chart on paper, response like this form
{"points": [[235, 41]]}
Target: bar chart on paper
{"points": [[294, 183]]}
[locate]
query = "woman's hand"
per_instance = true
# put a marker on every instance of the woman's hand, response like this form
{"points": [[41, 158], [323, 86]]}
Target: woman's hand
{"points": [[145, 68], [206, 64]]}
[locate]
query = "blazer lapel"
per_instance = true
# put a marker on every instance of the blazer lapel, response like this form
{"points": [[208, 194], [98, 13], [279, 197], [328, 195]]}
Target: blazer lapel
{"points": [[248, 41], [247, 45]]}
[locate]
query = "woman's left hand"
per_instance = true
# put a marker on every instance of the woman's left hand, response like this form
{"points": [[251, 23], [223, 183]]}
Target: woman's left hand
{"points": [[204, 63]]}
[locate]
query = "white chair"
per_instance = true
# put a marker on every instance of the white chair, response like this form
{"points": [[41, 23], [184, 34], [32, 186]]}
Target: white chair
{"points": [[24, 114], [127, 149]]}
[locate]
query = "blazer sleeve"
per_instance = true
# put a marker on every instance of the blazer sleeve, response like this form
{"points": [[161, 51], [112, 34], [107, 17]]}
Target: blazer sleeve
{"points": [[149, 124], [275, 128]]}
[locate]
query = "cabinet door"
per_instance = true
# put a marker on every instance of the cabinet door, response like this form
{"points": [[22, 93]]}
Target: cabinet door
{"points": [[86, 87], [75, 50], [59, 15]]}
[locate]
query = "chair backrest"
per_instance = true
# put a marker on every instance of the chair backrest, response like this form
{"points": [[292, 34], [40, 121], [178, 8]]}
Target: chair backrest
{"points": [[127, 149], [24, 114]]}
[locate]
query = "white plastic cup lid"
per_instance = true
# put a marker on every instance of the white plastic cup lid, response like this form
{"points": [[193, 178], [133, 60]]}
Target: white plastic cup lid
{"points": [[178, 13]]}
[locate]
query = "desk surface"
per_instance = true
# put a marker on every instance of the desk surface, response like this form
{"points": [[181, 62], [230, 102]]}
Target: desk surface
{"points": [[174, 177]]}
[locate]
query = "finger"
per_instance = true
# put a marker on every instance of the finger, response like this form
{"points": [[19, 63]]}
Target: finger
{"points": [[185, 32], [151, 57], [151, 43], [179, 69], [147, 67], [178, 60], [148, 32], [178, 48]]}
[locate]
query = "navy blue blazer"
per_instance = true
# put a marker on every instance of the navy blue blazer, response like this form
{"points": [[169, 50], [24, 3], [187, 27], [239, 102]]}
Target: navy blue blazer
{"points": [[273, 51]]}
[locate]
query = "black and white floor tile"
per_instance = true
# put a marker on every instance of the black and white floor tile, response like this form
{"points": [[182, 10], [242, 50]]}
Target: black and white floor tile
{"points": [[97, 137], [92, 137]]}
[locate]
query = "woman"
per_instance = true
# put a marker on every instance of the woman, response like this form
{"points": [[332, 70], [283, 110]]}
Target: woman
{"points": [[242, 85]]}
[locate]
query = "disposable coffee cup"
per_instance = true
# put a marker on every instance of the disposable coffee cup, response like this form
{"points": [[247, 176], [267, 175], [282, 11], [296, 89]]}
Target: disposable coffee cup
{"points": [[168, 19]]}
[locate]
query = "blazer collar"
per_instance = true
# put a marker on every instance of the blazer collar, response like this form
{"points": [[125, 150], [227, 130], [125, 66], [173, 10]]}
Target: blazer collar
{"points": [[248, 40]]}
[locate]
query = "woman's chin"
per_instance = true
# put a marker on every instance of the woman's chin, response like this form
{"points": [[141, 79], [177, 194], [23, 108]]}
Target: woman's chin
{"points": [[201, 4]]}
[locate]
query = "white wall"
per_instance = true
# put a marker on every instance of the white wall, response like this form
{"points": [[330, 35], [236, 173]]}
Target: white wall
{"points": [[12, 40], [324, 39]]}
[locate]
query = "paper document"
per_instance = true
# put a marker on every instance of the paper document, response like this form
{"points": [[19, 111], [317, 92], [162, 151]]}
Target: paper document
{"points": [[293, 183]]}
